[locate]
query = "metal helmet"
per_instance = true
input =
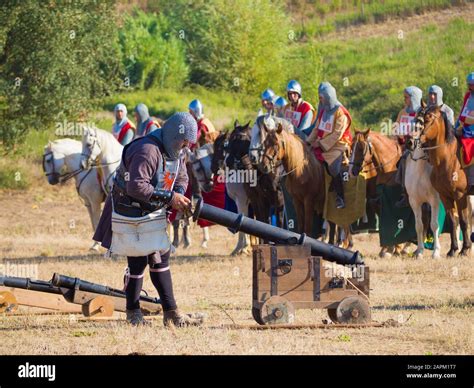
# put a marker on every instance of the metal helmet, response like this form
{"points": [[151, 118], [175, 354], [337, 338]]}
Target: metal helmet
{"points": [[294, 86], [196, 108], [280, 102], [470, 78], [268, 95]]}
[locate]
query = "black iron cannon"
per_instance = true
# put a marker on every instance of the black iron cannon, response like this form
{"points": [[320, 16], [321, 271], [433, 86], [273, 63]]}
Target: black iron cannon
{"points": [[240, 223]]}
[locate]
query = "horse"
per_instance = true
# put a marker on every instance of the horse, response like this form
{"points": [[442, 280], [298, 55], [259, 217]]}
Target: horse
{"points": [[102, 151], [305, 175], [420, 190], [447, 175], [376, 156], [62, 162], [235, 190], [264, 192]]}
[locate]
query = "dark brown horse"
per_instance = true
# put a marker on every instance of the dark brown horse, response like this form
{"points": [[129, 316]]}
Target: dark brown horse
{"points": [[264, 192], [447, 176]]}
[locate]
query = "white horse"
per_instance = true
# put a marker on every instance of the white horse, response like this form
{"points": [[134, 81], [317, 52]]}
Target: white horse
{"points": [[101, 151], [420, 190], [61, 162]]}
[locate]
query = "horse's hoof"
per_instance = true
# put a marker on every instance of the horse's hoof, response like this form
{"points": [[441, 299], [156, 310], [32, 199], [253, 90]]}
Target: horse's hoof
{"points": [[385, 255], [204, 244], [465, 252], [452, 253], [186, 244], [419, 256], [94, 248], [436, 255], [176, 243]]}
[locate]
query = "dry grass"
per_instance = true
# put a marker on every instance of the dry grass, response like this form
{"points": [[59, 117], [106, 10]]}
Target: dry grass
{"points": [[432, 298]]}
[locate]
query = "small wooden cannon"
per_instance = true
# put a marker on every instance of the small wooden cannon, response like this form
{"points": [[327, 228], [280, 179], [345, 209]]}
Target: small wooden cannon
{"points": [[288, 277], [298, 272], [68, 295]]}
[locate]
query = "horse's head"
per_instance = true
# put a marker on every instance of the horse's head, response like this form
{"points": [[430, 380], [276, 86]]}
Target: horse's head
{"points": [[237, 148], [258, 135], [361, 153], [200, 161], [433, 124], [90, 147], [273, 150], [219, 152], [53, 164]]}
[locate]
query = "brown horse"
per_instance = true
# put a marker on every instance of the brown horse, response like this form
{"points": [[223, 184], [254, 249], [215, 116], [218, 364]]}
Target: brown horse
{"points": [[376, 156], [305, 175], [447, 176]]}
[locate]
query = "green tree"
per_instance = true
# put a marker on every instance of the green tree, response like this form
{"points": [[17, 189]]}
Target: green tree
{"points": [[152, 55], [56, 58], [237, 45]]}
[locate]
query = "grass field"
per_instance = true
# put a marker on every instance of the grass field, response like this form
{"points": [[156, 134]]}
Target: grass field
{"points": [[47, 229]]}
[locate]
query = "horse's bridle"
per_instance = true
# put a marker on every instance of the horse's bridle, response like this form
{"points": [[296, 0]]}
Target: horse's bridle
{"points": [[367, 148], [61, 177]]}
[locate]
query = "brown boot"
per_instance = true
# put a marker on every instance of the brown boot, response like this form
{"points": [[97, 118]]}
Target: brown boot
{"points": [[176, 318]]}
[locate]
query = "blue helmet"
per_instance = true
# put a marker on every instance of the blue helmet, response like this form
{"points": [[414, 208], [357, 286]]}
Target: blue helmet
{"points": [[268, 95], [280, 102], [294, 87], [196, 108], [470, 78]]}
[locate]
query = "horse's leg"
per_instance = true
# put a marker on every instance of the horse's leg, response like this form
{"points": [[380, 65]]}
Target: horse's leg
{"points": [[416, 207], [176, 232], [465, 211], [308, 215], [332, 232], [186, 233], [205, 236], [300, 215], [434, 203], [453, 224], [242, 203]]}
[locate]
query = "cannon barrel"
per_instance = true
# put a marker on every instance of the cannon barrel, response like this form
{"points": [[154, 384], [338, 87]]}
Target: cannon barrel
{"points": [[29, 284], [83, 285], [240, 223]]}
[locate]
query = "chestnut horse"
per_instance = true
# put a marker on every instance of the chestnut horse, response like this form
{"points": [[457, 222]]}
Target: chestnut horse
{"points": [[376, 156], [305, 179], [447, 175]]}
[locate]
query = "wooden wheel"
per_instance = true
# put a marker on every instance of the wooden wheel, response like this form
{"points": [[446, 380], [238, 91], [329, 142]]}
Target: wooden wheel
{"points": [[100, 306], [8, 302], [256, 315], [277, 311], [353, 309]]}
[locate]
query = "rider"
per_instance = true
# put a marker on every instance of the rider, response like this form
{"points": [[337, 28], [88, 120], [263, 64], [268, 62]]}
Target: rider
{"points": [[123, 129], [465, 125], [435, 98], [404, 128], [331, 137], [268, 98], [151, 177], [299, 112], [205, 127], [279, 106], [145, 124]]}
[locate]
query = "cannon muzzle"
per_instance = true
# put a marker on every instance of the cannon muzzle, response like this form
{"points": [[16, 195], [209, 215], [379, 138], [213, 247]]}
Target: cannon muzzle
{"points": [[240, 223]]}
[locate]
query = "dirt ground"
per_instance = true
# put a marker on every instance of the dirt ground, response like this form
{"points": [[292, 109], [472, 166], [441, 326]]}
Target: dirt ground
{"points": [[47, 230]]}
